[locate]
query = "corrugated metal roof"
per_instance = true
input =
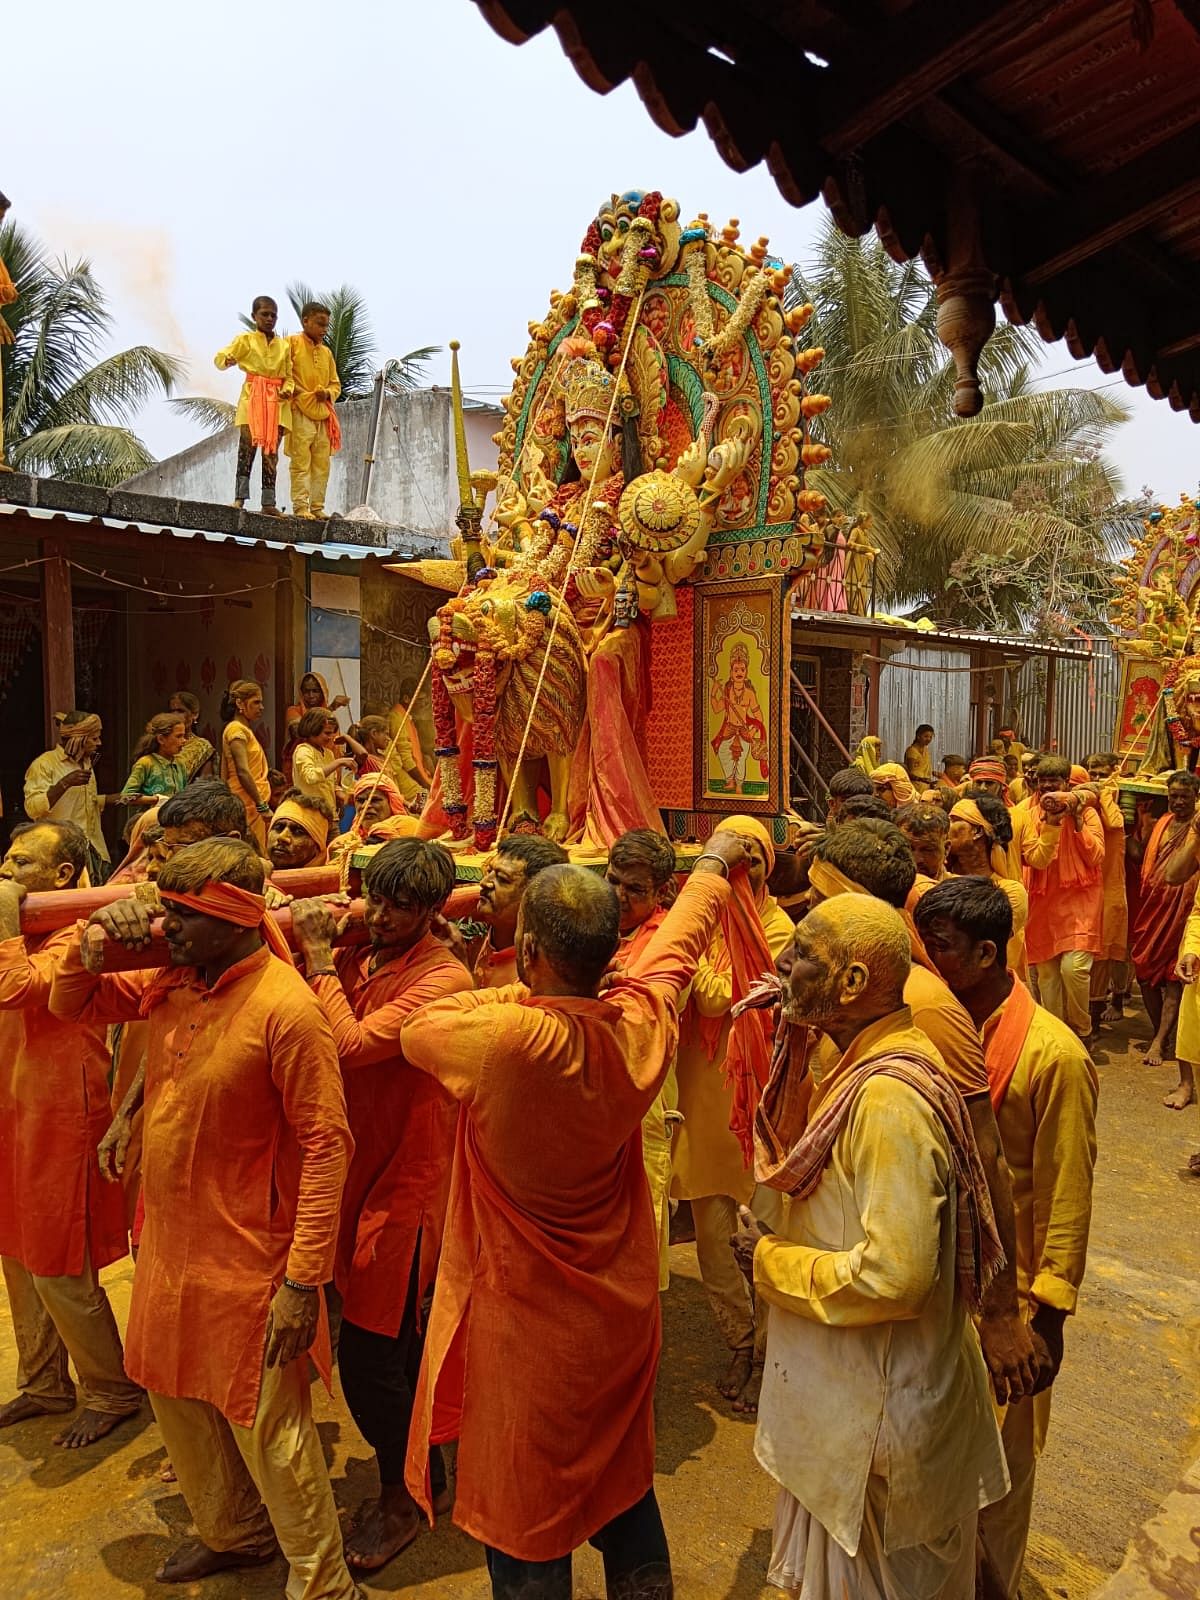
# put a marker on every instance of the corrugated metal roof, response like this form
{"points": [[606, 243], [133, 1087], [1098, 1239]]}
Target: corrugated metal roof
{"points": [[839, 622], [330, 550]]}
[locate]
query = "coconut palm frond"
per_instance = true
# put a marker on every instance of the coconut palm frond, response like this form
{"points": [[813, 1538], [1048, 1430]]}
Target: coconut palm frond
{"points": [[68, 407], [212, 416], [83, 453], [408, 372]]}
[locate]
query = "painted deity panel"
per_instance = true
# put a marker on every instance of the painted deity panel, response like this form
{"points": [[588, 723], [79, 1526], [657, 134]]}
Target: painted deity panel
{"points": [[738, 731]]}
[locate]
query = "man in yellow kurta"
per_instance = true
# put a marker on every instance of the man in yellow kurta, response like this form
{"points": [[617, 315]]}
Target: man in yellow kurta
{"points": [[875, 1416], [873, 858], [709, 1168], [1044, 1088], [264, 411], [315, 434]]}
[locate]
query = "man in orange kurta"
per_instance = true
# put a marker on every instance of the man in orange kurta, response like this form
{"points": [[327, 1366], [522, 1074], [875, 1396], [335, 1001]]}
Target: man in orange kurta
{"points": [[1110, 970], [550, 1248], [59, 1224], [518, 859], [244, 1154], [403, 1123], [1062, 842]]}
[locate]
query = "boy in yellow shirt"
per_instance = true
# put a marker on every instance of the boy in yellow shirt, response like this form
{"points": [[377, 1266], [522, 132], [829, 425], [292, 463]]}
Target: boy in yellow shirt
{"points": [[264, 413], [315, 433]]}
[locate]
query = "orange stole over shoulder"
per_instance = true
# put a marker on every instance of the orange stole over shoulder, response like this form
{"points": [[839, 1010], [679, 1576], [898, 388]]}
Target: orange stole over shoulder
{"points": [[1003, 1051]]}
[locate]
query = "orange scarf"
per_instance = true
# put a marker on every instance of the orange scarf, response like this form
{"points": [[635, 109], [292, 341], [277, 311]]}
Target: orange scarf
{"points": [[1008, 1040], [335, 430], [262, 411], [1073, 870], [742, 950]]}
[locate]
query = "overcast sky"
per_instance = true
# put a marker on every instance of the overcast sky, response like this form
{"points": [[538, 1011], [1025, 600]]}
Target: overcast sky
{"points": [[201, 155]]}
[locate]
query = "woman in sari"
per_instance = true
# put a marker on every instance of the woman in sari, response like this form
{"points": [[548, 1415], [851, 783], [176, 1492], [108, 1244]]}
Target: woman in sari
{"points": [[197, 752], [1170, 865]]}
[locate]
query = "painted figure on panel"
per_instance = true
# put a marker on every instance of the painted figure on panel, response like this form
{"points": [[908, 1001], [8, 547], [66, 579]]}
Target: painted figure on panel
{"points": [[741, 731]]}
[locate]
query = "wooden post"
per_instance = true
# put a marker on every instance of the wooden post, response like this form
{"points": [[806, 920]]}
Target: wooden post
{"points": [[979, 681], [1051, 692], [287, 605], [58, 636], [873, 671]]}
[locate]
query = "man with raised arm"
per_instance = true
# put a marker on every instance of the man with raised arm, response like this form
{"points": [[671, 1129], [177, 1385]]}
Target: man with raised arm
{"points": [[546, 1305]]}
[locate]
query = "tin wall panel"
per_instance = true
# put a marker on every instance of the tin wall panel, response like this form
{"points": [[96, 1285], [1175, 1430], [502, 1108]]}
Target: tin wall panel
{"points": [[938, 693]]}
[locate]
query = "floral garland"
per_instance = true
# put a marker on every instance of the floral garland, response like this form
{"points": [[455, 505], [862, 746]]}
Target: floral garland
{"points": [[484, 762], [446, 736]]}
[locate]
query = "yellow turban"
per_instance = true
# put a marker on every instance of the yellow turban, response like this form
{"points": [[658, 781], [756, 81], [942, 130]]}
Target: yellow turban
{"points": [[891, 775], [750, 828], [968, 811], [314, 824]]}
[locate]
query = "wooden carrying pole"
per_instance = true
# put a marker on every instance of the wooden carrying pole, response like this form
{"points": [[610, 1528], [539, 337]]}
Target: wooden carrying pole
{"points": [[47, 913], [118, 959]]}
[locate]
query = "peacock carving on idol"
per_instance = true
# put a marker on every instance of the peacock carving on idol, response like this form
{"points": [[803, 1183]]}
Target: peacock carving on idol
{"points": [[661, 406]]}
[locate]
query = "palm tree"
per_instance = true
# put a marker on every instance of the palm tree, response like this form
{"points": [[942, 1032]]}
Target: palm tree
{"points": [[67, 409], [352, 340], [1010, 518]]}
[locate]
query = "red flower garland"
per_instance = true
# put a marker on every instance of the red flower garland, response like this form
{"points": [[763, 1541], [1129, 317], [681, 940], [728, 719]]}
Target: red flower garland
{"points": [[484, 763]]}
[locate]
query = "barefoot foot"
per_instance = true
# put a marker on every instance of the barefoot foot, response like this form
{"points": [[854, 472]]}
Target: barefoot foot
{"points": [[89, 1427], [381, 1531], [747, 1402], [1154, 1054], [736, 1379], [194, 1560], [1180, 1098], [1113, 1012], [1193, 1165], [22, 1409], [166, 1473]]}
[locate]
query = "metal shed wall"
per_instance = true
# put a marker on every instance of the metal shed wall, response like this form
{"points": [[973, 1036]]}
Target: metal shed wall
{"points": [[1085, 702], [941, 697]]}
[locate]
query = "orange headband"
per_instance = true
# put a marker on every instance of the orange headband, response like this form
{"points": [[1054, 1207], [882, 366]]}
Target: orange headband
{"points": [[242, 907]]}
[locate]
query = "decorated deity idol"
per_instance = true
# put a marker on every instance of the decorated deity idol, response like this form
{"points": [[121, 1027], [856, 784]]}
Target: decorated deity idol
{"points": [[661, 403]]}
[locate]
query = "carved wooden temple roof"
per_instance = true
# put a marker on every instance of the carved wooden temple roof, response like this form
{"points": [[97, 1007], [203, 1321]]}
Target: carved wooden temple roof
{"points": [[1069, 132]]}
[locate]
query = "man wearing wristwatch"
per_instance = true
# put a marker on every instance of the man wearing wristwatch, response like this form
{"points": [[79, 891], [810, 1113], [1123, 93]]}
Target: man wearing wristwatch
{"points": [[245, 1150]]}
